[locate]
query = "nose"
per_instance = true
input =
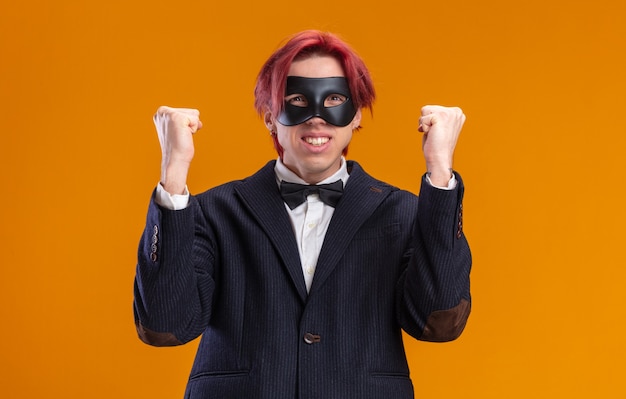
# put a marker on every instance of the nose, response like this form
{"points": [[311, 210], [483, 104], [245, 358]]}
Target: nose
{"points": [[315, 120]]}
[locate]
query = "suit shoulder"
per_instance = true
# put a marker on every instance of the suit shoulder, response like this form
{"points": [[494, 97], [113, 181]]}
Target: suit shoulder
{"points": [[375, 184]]}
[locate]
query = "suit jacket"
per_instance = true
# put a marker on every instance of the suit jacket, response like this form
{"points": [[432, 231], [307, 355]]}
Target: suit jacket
{"points": [[227, 267]]}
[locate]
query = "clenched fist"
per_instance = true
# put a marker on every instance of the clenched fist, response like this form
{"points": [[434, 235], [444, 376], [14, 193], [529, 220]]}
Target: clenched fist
{"points": [[441, 127], [175, 127]]}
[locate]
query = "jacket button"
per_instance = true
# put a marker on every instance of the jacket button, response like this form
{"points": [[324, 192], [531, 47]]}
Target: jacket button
{"points": [[311, 338]]}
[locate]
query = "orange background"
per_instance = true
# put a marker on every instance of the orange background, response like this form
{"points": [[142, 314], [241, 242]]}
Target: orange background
{"points": [[542, 84]]}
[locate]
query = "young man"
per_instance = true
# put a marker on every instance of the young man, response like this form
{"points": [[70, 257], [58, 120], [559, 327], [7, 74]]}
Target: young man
{"points": [[301, 276]]}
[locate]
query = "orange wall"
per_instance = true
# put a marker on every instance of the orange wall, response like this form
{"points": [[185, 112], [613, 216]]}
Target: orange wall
{"points": [[542, 84]]}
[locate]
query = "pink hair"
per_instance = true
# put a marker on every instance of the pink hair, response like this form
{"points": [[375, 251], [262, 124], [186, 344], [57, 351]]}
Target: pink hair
{"points": [[269, 91]]}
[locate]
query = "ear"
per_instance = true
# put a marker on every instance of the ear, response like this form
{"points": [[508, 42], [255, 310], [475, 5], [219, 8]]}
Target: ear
{"points": [[269, 121], [356, 121]]}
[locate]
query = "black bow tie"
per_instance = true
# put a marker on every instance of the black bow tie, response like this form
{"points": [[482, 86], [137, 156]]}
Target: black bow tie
{"points": [[295, 194]]}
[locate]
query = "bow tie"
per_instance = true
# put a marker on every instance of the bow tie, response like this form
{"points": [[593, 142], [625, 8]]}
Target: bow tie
{"points": [[295, 194]]}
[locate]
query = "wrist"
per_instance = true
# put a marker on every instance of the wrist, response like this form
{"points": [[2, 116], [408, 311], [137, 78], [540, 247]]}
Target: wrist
{"points": [[174, 178], [440, 176]]}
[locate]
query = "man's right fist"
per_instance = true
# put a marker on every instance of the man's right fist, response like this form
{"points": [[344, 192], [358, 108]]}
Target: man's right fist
{"points": [[175, 128]]}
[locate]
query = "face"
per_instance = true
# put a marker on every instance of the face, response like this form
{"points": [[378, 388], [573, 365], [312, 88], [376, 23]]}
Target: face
{"points": [[312, 149]]}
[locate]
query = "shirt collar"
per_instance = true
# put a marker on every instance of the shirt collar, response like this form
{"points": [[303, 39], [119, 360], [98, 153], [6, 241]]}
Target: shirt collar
{"points": [[284, 174]]}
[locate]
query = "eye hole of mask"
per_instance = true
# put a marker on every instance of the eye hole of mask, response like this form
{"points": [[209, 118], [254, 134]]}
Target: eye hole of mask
{"points": [[300, 100]]}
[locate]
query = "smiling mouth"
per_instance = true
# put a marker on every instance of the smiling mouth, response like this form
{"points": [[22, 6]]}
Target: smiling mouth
{"points": [[316, 141]]}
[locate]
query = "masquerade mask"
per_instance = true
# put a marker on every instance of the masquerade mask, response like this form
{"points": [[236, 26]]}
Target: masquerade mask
{"points": [[315, 91]]}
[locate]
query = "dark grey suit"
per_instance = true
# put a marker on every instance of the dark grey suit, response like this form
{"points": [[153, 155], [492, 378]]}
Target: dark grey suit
{"points": [[227, 267]]}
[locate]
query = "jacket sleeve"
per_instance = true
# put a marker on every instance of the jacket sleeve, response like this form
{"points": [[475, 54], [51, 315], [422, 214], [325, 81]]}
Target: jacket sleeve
{"points": [[174, 278], [434, 291]]}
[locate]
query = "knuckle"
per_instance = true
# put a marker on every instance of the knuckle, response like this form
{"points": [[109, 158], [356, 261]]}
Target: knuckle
{"points": [[163, 109]]}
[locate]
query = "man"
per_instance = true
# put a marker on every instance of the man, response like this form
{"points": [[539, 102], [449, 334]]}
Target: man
{"points": [[304, 295]]}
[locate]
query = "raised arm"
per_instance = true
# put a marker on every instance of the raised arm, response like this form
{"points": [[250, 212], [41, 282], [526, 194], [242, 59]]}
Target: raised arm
{"points": [[173, 283], [434, 292]]}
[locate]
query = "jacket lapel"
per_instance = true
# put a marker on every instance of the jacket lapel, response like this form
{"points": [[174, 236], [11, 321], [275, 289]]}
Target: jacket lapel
{"points": [[363, 190], [261, 196]]}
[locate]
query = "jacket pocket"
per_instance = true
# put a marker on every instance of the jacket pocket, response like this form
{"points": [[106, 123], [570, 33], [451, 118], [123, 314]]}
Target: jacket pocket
{"points": [[220, 374], [390, 375], [378, 232]]}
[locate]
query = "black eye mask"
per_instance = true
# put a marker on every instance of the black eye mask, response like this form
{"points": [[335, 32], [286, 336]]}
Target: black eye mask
{"points": [[316, 90]]}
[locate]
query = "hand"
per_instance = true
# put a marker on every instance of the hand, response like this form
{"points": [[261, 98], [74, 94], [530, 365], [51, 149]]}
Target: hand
{"points": [[175, 127], [441, 127]]}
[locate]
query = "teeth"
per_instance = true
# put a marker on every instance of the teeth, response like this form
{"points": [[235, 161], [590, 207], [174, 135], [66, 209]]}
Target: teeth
{"points": [[316, 140]]}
